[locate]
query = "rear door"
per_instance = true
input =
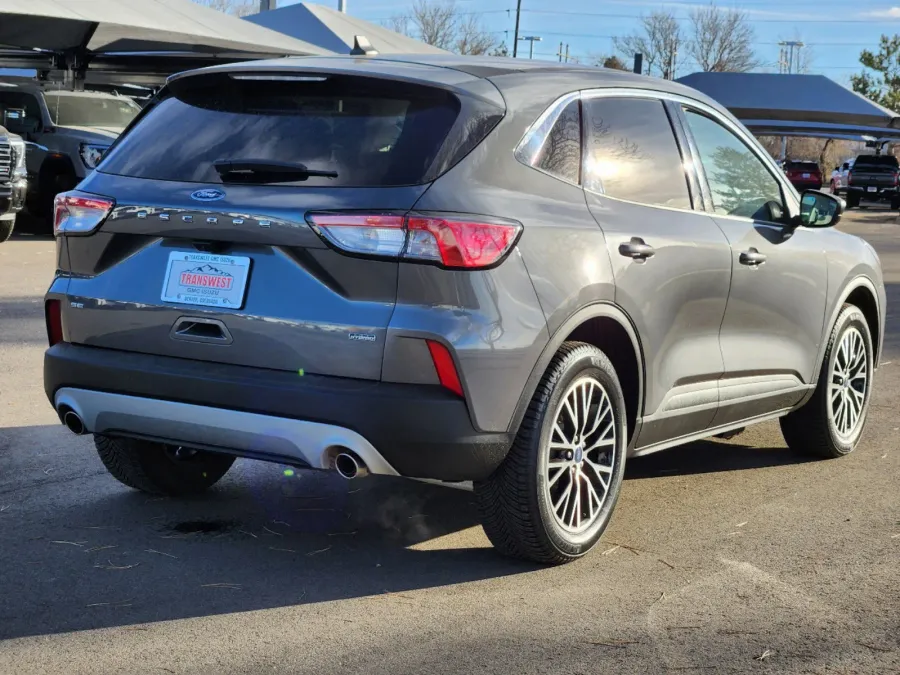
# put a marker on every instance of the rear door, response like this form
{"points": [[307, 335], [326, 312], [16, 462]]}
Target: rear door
{"points": [[672, 264], [226, 267]]}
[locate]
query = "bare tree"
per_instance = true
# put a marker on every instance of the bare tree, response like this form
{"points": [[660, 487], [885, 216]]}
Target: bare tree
{"points": [[399, 24], [658, 39], [236, 7], [441, 24], [722, 40], [471, 38], [611, 62]]}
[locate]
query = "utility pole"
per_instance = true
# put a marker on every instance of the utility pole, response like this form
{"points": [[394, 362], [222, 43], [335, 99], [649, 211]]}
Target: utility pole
{"points": [[638, 62], [786, 67], [532, 39], [516, 35], [266, 5], [342, 6], [563, 54]]}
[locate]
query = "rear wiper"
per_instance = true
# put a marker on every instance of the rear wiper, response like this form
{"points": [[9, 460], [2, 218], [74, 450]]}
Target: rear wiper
{"points": [[258, 171]]}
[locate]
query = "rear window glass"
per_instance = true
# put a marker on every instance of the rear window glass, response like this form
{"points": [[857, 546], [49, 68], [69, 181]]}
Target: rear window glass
{"points": [[372, 133], [876, 160], [802, 166]]}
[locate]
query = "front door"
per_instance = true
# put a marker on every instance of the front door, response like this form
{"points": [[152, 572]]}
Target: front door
{"points": [[672, 264], [772, 328]]}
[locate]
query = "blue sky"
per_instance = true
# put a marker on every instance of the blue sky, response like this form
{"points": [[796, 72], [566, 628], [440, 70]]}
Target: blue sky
{"points": [[834, 30]]}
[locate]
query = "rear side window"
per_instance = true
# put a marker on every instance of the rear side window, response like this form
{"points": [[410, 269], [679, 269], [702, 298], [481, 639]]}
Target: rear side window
{"points": [[631, 152], [560, 155], [372, 133]]}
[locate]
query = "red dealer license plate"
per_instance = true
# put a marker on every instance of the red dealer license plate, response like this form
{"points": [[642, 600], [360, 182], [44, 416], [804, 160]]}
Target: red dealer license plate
{"points": [[206, 279]]}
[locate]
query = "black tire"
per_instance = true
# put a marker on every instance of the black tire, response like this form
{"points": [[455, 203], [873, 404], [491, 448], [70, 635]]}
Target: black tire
{"points": [[51, 183], [812, 429], [852, 201], [154, 467], [6, 229], [515, 501]]}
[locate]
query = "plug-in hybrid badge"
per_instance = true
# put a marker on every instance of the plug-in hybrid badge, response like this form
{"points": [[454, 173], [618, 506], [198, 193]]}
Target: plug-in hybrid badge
{"points": [[208, 195]]}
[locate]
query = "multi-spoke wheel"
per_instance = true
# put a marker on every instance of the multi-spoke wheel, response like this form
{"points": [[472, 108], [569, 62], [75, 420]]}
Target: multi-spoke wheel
{"points": [[831, 422], [553, 495], [580, 457]]}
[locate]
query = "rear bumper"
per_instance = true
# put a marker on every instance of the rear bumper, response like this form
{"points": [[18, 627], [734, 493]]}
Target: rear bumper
{"points": [[418, 431], [863, 191]]}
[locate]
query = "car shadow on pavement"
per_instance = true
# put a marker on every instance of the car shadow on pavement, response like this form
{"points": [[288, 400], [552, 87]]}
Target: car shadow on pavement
{"points": [[709, 457], [80, 551]]}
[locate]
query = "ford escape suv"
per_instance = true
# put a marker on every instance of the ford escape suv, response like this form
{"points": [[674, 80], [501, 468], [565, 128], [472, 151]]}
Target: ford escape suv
{"points": [[451, 268]]}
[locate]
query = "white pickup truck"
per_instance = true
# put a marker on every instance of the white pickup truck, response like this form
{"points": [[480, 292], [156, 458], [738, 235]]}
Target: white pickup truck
{"points": [[12, 181], [839, 177]]}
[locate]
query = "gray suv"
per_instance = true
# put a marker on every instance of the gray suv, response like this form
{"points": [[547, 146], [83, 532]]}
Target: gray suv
{"points": [[451, 268]]}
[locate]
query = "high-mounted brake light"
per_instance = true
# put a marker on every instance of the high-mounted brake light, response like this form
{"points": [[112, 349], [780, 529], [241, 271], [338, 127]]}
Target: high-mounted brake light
{"points": [[455, 243], [79, 213]]}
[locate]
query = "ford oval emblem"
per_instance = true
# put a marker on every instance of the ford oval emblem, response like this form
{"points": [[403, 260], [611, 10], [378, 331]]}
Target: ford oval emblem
{"points": [[207, 195]]}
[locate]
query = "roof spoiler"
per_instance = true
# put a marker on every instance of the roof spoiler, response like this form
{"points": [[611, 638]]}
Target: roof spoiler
{"points": [[362, 47]]}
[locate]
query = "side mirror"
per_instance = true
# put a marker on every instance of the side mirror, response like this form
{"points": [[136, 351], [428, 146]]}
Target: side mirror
{"points": [[819, 209]]}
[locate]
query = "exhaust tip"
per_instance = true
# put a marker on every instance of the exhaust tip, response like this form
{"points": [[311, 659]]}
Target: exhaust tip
{"points": [[74, 423], [349, 467]]}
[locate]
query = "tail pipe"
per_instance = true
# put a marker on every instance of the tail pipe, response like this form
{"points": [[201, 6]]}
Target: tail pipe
{"points": [[72, 421], [349, 466]]}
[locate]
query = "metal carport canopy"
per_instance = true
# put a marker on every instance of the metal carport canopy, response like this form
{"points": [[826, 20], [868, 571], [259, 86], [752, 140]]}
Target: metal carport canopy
{"points": [[97, 27], [797, 105]]}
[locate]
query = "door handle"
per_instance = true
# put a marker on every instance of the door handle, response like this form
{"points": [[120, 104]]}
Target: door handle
{"points": [[637, 249], [752, 258], [196, 329]]}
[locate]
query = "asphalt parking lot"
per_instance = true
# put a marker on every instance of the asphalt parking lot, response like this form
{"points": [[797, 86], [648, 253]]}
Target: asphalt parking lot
{"points": [[722, 556]]}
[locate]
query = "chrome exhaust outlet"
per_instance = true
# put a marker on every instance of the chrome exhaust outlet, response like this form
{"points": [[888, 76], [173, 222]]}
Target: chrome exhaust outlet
{"points": [[74, 423], [349, 466]]}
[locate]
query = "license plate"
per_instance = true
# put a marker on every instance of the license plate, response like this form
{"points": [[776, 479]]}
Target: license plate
{"points": [[873, 189], [206, 279], [806, 175]]}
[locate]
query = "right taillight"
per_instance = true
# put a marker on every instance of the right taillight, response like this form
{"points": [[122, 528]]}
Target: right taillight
{"points": [[449, 241], [53, 317], [850, 178], [79, 213]]}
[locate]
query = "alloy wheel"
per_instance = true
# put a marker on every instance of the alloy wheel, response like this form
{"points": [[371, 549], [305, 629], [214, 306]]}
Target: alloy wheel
{"points": [[849, 383], [579, 461]]}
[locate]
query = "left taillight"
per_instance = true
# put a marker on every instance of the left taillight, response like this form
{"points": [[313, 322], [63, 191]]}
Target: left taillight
{"points": [[449, 241], [53, 317], [79, 213]]}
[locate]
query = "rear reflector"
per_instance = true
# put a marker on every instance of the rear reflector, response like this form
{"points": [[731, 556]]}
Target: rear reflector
{"points": [[53, 317], [79, 213], [446, 369], [454, 243]]}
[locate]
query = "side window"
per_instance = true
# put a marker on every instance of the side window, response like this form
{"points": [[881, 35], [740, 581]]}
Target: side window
{"points": [[12, 104], [740, 183], [560, 154], [631, 152]]}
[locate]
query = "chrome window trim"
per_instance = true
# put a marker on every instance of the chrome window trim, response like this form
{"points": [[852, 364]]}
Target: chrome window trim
{"points": [[536, 136]]}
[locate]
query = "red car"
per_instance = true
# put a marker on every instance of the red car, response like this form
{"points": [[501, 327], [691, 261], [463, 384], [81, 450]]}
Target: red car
{"points": [[804, 175]]}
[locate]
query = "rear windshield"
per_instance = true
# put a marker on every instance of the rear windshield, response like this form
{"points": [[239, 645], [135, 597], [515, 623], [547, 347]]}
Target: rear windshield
{"points": [[802, 166], [77, 110], [876, 160], [372, 133]]}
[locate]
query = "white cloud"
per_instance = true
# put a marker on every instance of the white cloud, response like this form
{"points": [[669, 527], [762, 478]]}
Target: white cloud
{"points": [[891, 13]]}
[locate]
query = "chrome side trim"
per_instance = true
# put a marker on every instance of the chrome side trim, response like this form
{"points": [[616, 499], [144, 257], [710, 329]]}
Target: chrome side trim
{"points": [[247, 434]]}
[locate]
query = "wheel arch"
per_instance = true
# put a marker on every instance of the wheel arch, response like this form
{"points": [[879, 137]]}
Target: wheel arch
{"points": [[862, 293], [607, 327]]}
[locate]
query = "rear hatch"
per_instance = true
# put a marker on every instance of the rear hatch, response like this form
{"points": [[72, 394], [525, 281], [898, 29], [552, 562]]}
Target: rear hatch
{"points": [[877, 171], [803, 172], [209, 253]]}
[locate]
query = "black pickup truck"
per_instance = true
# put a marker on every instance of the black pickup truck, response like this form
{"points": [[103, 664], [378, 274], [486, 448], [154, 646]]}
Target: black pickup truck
{"points": [[12, 181], [874, 178]]}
